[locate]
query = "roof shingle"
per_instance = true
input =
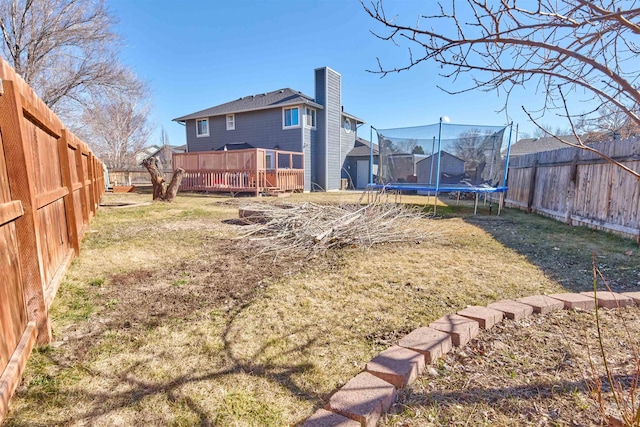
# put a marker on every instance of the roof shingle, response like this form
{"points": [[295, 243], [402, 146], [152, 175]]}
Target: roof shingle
{"points": [[277, 98]]}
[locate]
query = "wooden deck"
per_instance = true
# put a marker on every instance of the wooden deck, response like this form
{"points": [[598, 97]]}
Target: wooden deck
{"points": [[254, 170]]}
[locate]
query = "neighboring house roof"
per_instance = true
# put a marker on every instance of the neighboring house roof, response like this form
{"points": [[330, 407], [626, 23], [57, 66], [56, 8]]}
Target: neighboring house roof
{"points": [[173, 148], [146, 152], [537, 145], [362, 148], [277, 98]]}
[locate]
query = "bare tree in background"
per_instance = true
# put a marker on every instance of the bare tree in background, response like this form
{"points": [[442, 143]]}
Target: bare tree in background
{"points": [[610, 123], [558, 46], [164, 137], [65, 49], [117, 126]]}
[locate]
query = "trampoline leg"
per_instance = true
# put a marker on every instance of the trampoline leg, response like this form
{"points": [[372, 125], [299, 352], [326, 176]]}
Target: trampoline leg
{"points": [[500, 201], [475, 207]]}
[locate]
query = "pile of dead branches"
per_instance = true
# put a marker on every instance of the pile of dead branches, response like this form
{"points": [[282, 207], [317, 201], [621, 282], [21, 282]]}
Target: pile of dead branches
{"points": [[313, 229]]}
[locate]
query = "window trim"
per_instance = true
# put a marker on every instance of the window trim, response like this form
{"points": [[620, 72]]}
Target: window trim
{"points": [[284, 121], [314, 115], [201, 135], [233, 121]]}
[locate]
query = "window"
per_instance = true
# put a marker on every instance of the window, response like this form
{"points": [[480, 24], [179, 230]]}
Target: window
{"points": [[291, 117], [347, 125], [202, 127], [231, 121], [310, 117]]}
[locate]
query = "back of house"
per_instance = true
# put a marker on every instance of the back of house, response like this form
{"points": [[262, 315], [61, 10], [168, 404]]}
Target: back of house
{"points": [[287, 120]]}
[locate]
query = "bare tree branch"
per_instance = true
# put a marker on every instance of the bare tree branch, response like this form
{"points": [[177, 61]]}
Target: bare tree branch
{"points": [[65, 49], [117, 126], [560, 47]]}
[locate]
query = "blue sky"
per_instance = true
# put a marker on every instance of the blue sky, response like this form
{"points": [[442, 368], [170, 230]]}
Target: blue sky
{"points": [[197, 54]]}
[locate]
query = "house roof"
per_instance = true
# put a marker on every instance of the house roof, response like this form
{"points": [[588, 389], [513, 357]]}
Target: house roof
{"points": [[442, 153], [353, 118], [235, 146], [537, 145], [261, 101], [362, 148], [173, 148]]}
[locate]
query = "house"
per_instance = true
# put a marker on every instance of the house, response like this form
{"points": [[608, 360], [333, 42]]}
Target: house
{"points": [[284, 119], [401, 167], [357, 163], [145, 153], [452, 168], [536, 145], [165, 154]]}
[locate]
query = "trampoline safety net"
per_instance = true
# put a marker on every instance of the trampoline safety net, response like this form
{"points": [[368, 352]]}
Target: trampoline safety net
{"points": [[444, 157]]}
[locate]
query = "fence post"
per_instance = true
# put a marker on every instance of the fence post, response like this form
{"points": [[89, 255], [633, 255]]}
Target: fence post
{"points": [[21, 176], [532, 186], [84, 201], [69, 203], [92, 196], [571, 190]]}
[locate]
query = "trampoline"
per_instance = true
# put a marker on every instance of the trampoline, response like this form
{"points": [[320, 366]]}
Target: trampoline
{"points": [[442, 158]]}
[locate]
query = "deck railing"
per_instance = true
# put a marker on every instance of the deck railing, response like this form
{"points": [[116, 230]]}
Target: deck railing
{"points": [[253, 170]]}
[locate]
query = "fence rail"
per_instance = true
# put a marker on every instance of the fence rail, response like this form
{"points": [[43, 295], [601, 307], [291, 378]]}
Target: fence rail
{"points": [[580, 188], [252, 170], [50, 187]]}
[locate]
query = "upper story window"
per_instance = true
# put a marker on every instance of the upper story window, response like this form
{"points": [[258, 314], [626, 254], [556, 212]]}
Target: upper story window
{"points": [[291, 117], [202, 127], [347, 125], [310, 117], [231, 121]]}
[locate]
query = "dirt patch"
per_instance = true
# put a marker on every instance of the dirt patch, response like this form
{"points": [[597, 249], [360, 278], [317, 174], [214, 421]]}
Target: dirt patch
{"points": [[224, 279]]}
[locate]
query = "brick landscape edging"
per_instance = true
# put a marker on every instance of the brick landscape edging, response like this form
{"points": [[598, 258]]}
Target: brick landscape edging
{"points": [[370, 394]]}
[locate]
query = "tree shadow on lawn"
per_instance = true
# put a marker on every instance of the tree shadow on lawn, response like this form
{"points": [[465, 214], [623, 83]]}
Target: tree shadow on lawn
{"points": [[141, 301], [137, 389], [565, 253]]}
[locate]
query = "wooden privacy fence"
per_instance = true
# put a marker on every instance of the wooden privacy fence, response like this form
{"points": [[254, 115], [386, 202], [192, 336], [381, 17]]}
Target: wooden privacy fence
{"points": [[50, 187], [253, 170], [138, 176], [580, 188]]}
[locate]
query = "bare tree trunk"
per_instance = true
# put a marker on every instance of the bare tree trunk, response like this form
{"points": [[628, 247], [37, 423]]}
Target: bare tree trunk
{"points": [[160, 189], [174, 185], [157, 178]]}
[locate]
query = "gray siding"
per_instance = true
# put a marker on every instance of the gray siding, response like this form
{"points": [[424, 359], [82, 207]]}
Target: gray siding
{"points": [[352, 169], [347, 142], [309, 144], [329, 152], [448, 164], [319, 161], [334, 130], [261, 129]]}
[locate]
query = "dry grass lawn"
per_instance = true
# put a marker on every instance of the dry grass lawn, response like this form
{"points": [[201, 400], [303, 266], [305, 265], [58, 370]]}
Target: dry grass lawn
{"points": [[168, 319]]}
